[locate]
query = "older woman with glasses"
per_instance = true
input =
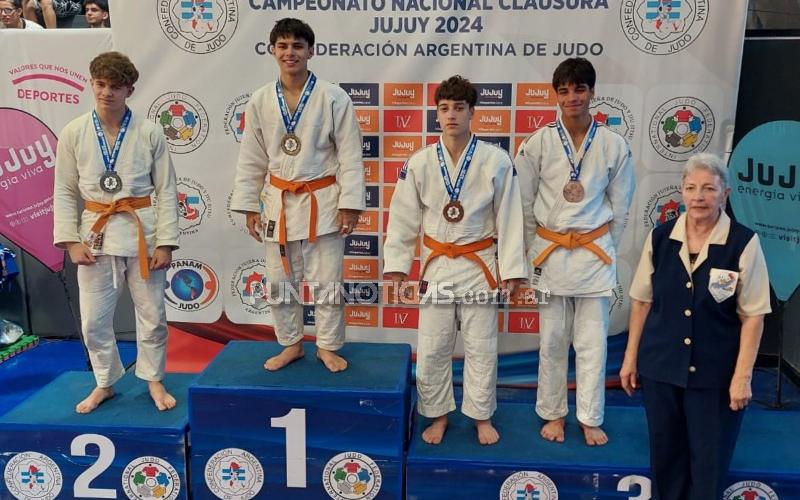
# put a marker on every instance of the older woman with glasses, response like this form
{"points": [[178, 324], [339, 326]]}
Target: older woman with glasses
{"points": [[700, 294]]}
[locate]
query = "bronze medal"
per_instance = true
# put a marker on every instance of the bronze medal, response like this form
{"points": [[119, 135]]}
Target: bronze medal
{"points": [[290, 144], [453, 211], [573, 191]]}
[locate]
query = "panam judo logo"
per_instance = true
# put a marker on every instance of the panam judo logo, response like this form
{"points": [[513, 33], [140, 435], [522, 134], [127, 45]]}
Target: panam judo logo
{"points": [[191, 285], [183, 119], [662, 27], [615, 114], [234, 474], [352, 476], [528, 485], [198, 26], [249, 284], [151, 477], [233, 121], [749, 490], [194, 205], [681, 127], [663, 206], [31, 475]]}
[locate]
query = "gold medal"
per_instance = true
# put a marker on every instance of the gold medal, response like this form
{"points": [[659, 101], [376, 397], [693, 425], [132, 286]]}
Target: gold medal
{"points": [[573, 191], [290, 144], [453, 211]]}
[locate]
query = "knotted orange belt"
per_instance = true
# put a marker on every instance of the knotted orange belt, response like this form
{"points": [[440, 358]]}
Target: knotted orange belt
{"points": [[129, 205], [454, 251], [571, 241], [297, 187]]}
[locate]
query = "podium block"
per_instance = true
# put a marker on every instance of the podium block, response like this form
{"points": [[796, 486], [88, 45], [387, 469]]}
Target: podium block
{"points": [[126, 448], [301, 432]]}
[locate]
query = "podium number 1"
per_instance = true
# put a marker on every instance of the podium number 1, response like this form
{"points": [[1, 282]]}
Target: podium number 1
{"points": [[295, 424]]}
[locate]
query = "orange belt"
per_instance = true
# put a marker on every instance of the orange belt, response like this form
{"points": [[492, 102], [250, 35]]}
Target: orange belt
{"points": [[453, 251], [572, 240], [297, 188], [129, 205]]}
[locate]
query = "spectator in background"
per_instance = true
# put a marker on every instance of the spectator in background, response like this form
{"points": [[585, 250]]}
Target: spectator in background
{"points": [[11, 16], [53, 13], [96, 12]]}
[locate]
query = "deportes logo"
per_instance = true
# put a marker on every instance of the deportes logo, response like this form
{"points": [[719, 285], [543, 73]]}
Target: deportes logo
{"points": [[351, 476], [183, 119], [615, 114], [191, 285], [663, 206], [194, 205], [198, 26], [749, 490], [249, 284], [681, 127], [48, 83], [31, 475], [233, 123], [234, 474], [151, 477], [662, 27], [528, 485]]}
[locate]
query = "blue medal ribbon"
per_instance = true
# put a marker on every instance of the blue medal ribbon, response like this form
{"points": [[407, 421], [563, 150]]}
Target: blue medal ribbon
{"points": [[110, 159], [455, 192], [290, 121], [575, 170]]}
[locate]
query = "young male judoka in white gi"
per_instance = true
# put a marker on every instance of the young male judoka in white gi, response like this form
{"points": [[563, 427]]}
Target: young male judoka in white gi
{"points": [[114, 160], [301, 156], [576, 180], [464, 193]]}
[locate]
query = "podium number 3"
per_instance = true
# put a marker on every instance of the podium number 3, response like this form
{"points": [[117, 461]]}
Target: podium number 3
{"points": [[105, 456], [627, 482], [295, 424]]}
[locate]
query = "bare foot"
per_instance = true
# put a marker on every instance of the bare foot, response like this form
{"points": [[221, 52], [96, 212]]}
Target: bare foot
{"points": [[162, 399], [553, 430], [434, 433], [487, 434], [289, 354], [94, 399], [595, 436], [331, 360]]}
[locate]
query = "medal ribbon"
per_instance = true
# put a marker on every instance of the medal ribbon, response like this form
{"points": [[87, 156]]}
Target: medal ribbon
{"points": [[455, 192], [575, 170], [290, 121], [110, 160]]}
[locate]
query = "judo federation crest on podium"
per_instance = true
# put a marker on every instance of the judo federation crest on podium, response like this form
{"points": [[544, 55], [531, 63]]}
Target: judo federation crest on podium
{"points": [[234, 474], [351, 476], [528, 485], [151, 477], [31, 475]]}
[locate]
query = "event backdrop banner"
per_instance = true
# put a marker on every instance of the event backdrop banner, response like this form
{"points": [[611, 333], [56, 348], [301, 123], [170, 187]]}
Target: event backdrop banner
{"points": [[667, 82], [45, 85]]}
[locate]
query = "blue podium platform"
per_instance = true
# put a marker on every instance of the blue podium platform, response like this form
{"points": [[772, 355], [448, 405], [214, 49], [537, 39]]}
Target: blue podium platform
{"points": [[125, 448], [301, 432], [523, 466]]}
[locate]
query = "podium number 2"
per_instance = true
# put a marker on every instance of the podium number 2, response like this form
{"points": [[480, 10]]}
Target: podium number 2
{"points": [[105, 456], [295, 424]]}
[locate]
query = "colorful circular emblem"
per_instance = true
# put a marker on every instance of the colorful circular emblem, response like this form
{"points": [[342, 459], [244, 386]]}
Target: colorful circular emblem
{"points": [[234, 119], [749, 490], [528, 485], [352, 476], [663, 206], [31, 475], [151, 477], [249, 283], [663, 27], [681, 127], [191, 285], [198, 26], [234, 474], [615, 114], [183, 119], [194, 205]]}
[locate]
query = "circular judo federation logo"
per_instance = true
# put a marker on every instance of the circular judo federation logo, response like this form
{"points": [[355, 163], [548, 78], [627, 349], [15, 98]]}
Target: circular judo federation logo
{"points": [[681, 127], [749, 490], [191, 285], [615, 114], [234, 119], [234, 474], [663, 206], [183, 119], [663, 27], [352, 476], [528, 485], [198, 26], [31, 475], [194, 205], [151, 478]]}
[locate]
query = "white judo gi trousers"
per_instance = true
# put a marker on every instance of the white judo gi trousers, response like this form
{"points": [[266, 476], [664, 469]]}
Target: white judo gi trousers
{"points": [[582, 321], [319, 263], [100, 286], [437, 337]]}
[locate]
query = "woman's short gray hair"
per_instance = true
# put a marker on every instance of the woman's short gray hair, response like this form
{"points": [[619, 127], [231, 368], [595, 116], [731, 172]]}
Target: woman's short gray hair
{"points": [[708, 162]]}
